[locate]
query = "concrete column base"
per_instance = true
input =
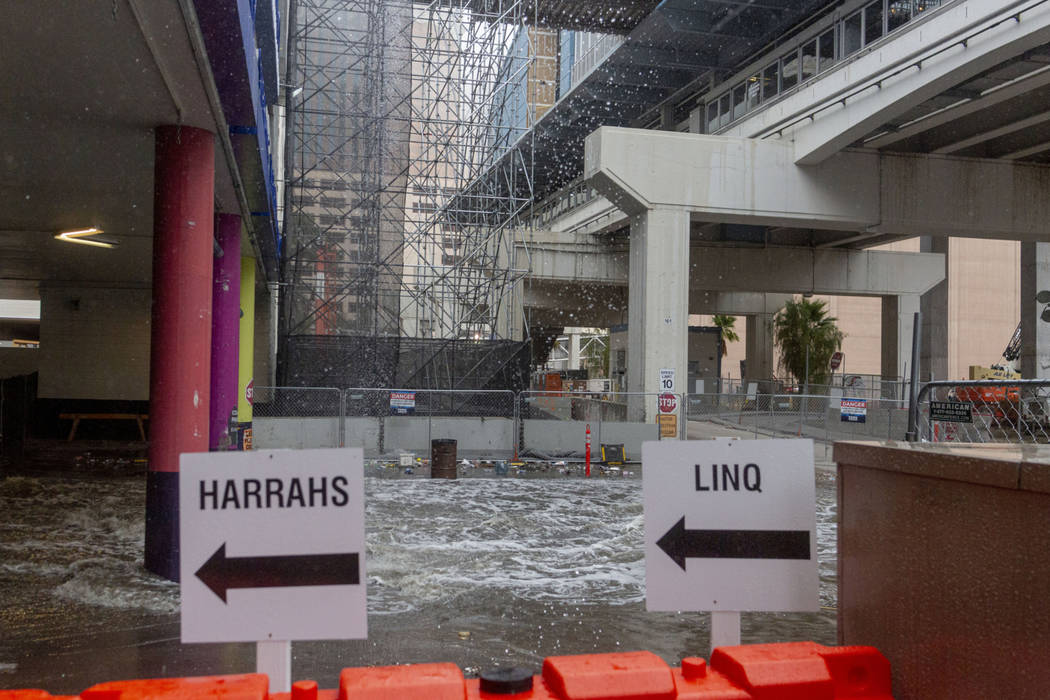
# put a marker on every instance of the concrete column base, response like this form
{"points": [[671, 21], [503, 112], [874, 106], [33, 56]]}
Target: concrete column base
{"points": [[898, 324], [658, 305], [1035, 333], [934, 306]]}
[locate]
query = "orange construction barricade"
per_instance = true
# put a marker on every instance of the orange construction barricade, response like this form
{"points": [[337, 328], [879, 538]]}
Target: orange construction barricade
{"points": [[791, 671]]}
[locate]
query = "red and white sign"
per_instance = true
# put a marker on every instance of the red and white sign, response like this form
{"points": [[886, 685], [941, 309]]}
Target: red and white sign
{"points": [[836, 359], [667, 403], [249, 391]]}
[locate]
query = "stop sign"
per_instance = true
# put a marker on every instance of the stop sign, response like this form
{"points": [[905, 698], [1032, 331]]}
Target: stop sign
{"points": [[667, 403], [836, 360]]}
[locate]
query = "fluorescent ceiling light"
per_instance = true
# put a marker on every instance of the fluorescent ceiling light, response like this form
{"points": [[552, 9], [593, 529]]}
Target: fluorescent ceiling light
{"points": [[81, 236]]}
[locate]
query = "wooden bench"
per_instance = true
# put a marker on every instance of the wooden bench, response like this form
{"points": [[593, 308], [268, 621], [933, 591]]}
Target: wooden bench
{"points": [[77, 417]]}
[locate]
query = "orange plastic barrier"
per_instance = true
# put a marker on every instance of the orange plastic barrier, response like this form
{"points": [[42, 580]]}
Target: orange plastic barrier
{"points": [[791, 671]]}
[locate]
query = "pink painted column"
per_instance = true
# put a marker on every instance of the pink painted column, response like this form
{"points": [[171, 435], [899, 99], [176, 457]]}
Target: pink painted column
{"points": [[180, 341], [225, 329]]}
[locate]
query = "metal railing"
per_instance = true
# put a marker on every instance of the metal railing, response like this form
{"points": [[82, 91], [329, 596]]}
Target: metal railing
{"points": [[389, 423], [319, 411], [867, 386], [1000, 410], [393, 422], [552, 424], [823, 418]]}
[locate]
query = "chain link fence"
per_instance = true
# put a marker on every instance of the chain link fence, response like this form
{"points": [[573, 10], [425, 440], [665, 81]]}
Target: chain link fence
{"points": [[397, 423], [1013, 411], [297, 417], [553, 424], [393, 423], [865, 386], [823, 418]]}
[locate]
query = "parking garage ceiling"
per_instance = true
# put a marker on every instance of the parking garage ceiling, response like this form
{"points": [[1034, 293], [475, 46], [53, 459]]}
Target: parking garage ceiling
{"points": [[83, 88]]}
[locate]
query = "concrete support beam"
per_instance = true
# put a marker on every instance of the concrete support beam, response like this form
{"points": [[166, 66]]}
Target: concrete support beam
{"points": [[566, 256], [772, 270], [898, 324], [1035, 333], [266, 314], [658, 303], [574, 350], [735, 303], [759, 357], [738, 180], [934, 306]]}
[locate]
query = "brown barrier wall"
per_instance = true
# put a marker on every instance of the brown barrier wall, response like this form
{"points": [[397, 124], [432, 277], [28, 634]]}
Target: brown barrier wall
{"points": [[944, 565]]}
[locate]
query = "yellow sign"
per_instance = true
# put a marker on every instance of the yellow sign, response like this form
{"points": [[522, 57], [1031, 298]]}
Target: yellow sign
{"points": [[668, 425]]}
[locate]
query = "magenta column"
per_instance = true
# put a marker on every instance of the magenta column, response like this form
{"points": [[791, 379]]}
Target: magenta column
{"points": [[180, 340], [225, 331]]}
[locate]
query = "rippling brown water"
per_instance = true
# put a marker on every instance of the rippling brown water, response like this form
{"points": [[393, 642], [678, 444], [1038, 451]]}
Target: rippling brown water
{"points": [[476, 571]]}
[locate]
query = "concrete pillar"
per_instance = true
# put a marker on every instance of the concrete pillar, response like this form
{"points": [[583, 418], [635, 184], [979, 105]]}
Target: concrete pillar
{"points": [[225, 329], [266, 335], [1035, 333], [658, 304], [180, 338], [246, 374], [574, 350], [898, 324], [934, 305], [758, 350]]}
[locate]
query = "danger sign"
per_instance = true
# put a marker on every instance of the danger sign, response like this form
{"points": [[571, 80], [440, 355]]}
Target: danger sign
{"points": [[667, 403]]}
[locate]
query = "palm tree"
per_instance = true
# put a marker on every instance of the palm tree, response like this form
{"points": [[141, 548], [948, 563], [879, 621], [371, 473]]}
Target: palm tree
{"points": [[726, 325], [807, 338]]}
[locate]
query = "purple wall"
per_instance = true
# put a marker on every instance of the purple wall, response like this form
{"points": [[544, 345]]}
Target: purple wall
{"points": [[225, 329]]}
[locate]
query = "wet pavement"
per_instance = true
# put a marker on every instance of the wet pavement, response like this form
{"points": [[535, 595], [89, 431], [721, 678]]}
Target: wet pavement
{"points": [[478, 571]]}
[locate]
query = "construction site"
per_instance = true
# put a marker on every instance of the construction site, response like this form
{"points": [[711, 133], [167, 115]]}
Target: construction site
{"points": [[410, 180]]}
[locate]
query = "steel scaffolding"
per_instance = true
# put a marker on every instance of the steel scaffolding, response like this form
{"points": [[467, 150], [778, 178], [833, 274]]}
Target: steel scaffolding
{"points": [[409, 174]]}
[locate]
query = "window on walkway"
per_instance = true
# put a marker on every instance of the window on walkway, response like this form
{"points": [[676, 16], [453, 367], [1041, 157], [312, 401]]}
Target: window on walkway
{"points": [[739, 103], [863, 27], [851, 34], [770, 82], [754, 92], [826, 50], [899, 13], [789, 71], [809, 59], [873, 22]]}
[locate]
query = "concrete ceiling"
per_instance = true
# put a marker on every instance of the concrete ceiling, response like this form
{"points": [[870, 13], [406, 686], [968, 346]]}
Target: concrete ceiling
{"points": [[84, 85], [1002, 113]]}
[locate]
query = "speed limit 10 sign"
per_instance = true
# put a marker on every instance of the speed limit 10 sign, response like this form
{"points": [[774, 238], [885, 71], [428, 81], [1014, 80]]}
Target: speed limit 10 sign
{"points": [[667, 379]]}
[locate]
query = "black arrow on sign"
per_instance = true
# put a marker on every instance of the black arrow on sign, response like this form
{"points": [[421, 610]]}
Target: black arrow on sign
{"points": [[221, 573], [681, 544]]}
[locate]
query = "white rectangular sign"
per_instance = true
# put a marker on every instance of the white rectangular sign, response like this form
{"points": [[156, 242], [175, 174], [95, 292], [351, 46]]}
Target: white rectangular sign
{"points": [[667, 379], [272, 545], [730, 525]]}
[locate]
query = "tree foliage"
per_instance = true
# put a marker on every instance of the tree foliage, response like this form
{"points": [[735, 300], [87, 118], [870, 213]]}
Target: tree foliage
{"points": [[726, 324], [801, 324]]}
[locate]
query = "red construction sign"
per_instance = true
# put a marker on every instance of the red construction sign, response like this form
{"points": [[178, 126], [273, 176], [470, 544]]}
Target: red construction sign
{"points": [[667, 403]]}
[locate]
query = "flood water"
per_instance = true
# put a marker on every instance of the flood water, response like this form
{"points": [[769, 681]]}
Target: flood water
{"points": [[477, 571]]}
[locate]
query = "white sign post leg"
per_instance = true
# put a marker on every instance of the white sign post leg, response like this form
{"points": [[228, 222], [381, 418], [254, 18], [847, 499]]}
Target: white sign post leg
{"points": [[274, 658], [725, 629]]}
